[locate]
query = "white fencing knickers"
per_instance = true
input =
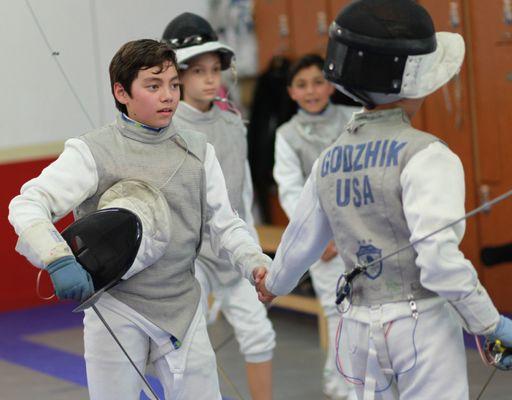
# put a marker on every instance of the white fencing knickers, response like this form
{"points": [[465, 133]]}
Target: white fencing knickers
{"points": [[186, 373], [391, 355]]}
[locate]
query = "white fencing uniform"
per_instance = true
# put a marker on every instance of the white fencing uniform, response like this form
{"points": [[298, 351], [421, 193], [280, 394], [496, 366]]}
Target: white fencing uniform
{"points": [[73, 180], [380, 336], [185, 372]]}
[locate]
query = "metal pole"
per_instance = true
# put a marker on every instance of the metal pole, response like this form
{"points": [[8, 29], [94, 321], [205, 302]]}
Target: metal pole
{"points": [[124, 351]]}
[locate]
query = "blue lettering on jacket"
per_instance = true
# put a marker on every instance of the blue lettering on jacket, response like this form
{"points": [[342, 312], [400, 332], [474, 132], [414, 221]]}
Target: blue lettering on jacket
{"points": [[358, 166], [344, 160], [383, 153], [336, 158], [325, 164], [348, 150], [348, 191], [372, 151], [394, 149], [349, 158]]}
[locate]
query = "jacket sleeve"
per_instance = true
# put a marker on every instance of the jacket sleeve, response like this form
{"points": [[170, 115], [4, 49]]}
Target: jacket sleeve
{"points": [[303, 241], [288, 175], [60, 187], [433, 196], [247, 199]]}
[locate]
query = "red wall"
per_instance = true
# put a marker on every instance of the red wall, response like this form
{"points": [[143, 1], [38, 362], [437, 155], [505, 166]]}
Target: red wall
{"points": [[18, 278]]}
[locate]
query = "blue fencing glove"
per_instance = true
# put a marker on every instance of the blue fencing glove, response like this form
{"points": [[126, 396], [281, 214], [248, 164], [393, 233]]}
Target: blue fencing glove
{"points": [[70, 280], [503, 333]]}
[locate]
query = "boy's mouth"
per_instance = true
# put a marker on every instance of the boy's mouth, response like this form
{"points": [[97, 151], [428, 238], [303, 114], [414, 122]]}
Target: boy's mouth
{"points": [[165, 110]]}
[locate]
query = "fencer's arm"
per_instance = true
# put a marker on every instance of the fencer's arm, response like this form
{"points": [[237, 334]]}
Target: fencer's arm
{"points": [[247, 200], [288, 175], [303, 241], [230, 236], [433, 196], [60, 187]]}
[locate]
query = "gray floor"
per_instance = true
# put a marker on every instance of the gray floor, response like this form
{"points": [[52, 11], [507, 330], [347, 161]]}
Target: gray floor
{"points": [[297, 365]]}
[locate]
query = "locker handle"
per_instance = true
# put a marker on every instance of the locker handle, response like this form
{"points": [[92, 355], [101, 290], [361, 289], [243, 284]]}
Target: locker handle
{"points": [[507, 12], [321, 22], [454, 14], [485, 194], [284, 30]]}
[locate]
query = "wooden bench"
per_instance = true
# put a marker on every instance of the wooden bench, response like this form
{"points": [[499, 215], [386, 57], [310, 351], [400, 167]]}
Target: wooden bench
{"points": [[270, 236]]}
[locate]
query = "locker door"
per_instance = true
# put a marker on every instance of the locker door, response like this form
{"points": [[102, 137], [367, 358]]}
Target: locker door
{"points": [[310, 25], [417, 120], [272, 26], [491, 33], [446, 114]]}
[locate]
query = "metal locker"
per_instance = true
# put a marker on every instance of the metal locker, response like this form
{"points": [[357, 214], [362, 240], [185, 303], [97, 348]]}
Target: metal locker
{"points": [[310, 26], [491, 53], [446, 114], [272, 26]]}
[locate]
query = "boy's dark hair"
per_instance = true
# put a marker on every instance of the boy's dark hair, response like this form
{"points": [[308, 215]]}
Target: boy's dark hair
{"points": [[306, 61], [134, 56]]}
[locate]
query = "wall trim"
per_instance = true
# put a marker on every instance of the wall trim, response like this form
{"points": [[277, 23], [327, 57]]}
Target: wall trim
{"points": [[32, 152]]}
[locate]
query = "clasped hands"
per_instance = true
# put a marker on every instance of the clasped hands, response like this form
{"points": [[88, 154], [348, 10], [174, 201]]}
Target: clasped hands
{"points": [[259, 275]]}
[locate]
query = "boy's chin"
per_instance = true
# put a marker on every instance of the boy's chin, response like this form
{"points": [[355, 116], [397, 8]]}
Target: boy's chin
{"points": [[164, 121], [314, 109]]}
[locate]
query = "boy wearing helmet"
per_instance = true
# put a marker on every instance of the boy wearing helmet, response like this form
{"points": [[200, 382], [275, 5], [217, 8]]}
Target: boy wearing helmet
{"points": [[201, 59], [381, 186]]}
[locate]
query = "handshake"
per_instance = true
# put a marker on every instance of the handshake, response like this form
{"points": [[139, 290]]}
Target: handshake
{"points": [[259, 275]]}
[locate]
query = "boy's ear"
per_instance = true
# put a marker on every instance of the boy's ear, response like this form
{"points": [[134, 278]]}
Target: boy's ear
{"points": [[120, 94], [291, 92]]}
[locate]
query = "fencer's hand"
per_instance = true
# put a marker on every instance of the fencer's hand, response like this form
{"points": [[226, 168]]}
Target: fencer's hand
{"points": [[503, 333], [260, 276], [330, 252], [69, 279]]}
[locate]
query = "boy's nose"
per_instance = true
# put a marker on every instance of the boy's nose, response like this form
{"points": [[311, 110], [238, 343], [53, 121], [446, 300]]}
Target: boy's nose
{"points": [[167, 96]]}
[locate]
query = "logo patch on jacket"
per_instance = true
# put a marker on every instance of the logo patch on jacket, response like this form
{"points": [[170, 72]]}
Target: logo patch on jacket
{"points": [[365, 255]]}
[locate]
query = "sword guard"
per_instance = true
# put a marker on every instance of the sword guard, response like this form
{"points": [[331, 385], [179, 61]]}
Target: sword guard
{"points": [[342, 293], [345, 282], [497, 352]]}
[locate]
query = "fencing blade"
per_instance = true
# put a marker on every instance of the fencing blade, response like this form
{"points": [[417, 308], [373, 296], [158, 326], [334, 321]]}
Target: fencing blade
{"points": [[109, 329]]}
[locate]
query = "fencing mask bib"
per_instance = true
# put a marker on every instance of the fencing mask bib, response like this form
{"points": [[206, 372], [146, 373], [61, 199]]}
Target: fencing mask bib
{"points": [[130, 231]]}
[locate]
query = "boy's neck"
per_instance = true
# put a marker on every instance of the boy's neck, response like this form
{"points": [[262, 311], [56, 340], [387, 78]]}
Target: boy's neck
{"points": [[202, 106], [134, 121], [322, 111], [409, 106]]}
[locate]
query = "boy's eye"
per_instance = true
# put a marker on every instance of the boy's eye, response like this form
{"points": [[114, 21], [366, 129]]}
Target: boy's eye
{"points": [[153, 87], [175, 86]]}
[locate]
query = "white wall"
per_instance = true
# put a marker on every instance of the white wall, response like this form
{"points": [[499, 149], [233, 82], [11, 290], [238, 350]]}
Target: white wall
{"points": [[37, 104]]}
